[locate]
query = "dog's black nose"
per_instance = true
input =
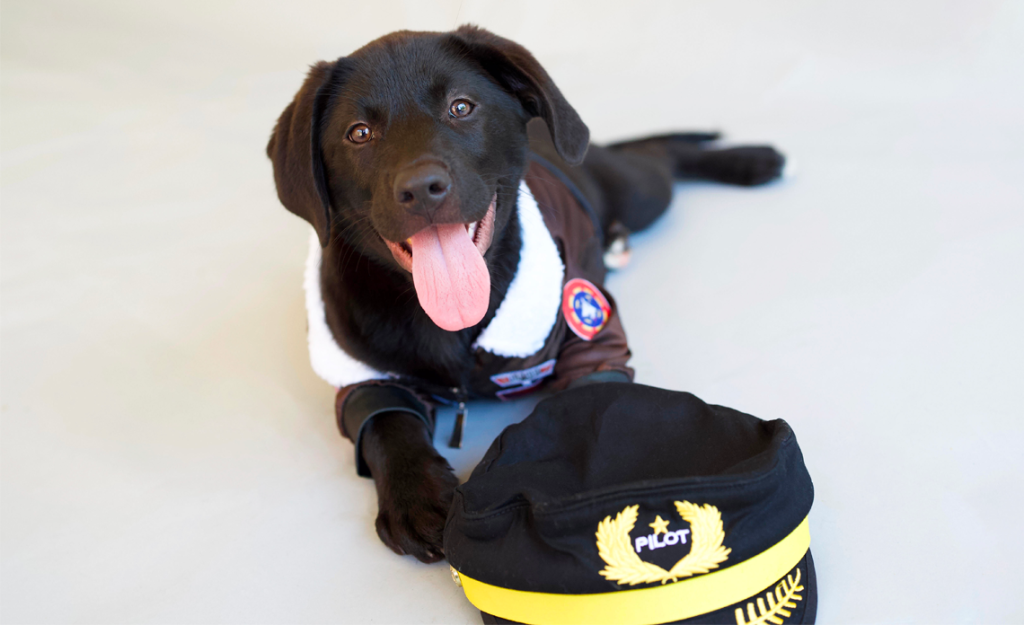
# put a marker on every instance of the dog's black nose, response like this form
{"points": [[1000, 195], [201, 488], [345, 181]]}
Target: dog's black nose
{"points": [[422, 186]]}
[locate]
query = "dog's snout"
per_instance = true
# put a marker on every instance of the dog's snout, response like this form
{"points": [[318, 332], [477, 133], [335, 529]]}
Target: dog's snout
{"points": [[422, 186]]}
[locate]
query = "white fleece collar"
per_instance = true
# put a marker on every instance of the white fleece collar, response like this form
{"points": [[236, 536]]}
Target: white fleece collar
{"points": [[520, 327], [528, 313], [329, 361]]}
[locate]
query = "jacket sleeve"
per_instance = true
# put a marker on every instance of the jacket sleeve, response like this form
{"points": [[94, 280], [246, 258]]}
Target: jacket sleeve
{"points": [[356, 404], [599, 360]]}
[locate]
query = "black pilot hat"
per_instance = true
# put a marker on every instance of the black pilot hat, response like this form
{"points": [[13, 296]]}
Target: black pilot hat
{"points": [[630, 505]]}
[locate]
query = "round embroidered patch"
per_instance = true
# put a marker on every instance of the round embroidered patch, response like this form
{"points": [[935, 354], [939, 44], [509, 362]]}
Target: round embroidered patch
{"points": [[585, 308]]}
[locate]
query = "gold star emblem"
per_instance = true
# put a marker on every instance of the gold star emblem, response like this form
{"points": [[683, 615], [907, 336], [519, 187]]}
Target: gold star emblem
{"points": [[659, 526]]}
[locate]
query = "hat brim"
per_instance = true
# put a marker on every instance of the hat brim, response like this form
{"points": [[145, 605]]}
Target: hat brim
{"points": [[802, 610]]}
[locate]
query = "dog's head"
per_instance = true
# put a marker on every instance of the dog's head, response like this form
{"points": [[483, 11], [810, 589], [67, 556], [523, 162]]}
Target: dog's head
{"points": [[411, 151]]}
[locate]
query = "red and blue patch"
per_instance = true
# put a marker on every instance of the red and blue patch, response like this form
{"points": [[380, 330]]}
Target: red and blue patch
{"points": [[585, 308]]}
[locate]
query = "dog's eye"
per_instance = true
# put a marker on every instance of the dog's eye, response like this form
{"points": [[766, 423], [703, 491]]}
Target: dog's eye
{"points": [[460, 108], [360, 133]]}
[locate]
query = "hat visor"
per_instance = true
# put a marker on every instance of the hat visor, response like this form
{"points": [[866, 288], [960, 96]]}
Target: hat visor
{"points": [[796, 593]]}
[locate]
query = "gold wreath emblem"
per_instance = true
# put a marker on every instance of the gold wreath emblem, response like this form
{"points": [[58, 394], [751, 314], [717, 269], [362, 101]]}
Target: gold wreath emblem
{"points": [[624, 566], [782, 602]]}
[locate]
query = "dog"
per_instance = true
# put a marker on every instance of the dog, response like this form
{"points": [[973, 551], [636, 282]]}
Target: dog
{"points": [[462, 225]]}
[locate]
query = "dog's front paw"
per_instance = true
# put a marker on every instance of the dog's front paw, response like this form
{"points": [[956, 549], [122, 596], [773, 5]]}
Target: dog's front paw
{"points": [[414, 506], [747, 166]]}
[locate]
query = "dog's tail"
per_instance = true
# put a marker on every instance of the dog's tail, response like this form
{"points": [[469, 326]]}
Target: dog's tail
{"points": [[692, 138]]}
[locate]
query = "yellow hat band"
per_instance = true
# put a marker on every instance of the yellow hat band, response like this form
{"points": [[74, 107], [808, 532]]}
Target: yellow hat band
{"points": [[646, 606]]}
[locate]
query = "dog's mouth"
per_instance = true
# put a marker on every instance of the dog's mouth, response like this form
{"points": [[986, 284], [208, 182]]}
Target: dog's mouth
{"points": [[447, 265], [480, 232]]}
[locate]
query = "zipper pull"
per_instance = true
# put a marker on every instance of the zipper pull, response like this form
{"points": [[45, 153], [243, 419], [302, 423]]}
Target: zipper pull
{"points": [[455, 442]]}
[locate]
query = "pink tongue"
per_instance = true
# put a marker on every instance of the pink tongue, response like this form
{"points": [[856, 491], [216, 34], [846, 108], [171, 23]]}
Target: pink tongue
{"points": [[450, 276]]}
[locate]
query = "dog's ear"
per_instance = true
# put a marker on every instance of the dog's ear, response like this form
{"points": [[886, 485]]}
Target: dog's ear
{"points": [[514, 68], [296, 151]]}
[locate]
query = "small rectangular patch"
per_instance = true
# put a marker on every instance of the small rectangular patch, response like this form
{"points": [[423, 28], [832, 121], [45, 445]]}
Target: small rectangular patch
{"points": [[525, 376], [519, 391]]}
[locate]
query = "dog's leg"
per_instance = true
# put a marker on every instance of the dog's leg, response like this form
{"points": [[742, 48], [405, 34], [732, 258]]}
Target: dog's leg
{"points": [[691, 157], [630, 183], [617, 251], [745, 166], [414, 483]]}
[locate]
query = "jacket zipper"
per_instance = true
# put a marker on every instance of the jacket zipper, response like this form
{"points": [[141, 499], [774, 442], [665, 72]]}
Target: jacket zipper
{"points": [[455, 441]]}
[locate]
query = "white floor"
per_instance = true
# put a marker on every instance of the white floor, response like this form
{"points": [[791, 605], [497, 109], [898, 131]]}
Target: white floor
{"points": [[168, 456]]}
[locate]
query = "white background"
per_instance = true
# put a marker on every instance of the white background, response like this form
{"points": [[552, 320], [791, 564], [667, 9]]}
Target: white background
{"points": [[169, 456]]}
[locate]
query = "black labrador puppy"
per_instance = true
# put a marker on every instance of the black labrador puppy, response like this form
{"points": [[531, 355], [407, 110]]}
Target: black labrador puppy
{"points": [[462, 222]]}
